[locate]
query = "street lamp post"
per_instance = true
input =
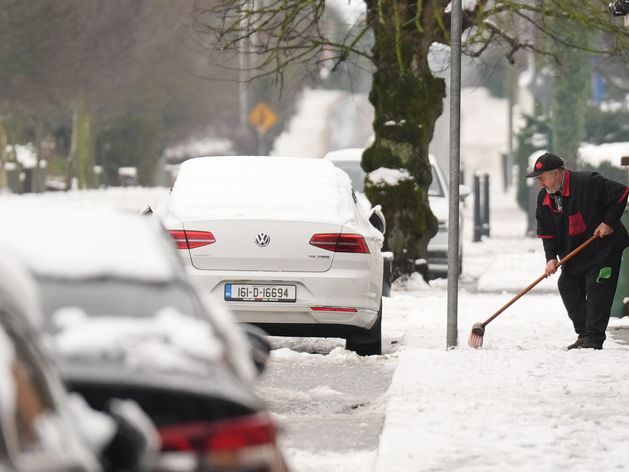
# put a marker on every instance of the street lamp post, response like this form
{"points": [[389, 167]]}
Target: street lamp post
{"points": [[455, 145]]}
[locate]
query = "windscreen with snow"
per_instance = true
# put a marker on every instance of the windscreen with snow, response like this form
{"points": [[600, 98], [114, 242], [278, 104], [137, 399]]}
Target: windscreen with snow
{"points": [[261, 187]]}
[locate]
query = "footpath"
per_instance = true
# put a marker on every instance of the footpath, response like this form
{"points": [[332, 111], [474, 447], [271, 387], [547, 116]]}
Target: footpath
{"points": [[521, 402]]}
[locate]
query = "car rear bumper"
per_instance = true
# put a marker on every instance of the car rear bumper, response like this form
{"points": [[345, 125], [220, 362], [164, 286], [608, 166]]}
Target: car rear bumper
{"points": [[327, 292]]}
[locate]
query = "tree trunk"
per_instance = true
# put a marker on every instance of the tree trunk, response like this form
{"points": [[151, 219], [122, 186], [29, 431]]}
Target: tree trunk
{"points": [[405, 116], [3, 159], [81, 160]]}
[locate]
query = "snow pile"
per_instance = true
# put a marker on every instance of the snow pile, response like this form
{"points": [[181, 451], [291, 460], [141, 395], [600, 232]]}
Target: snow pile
{"points": [[390, 177]]}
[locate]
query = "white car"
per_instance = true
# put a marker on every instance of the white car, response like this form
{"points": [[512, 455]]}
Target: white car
{"points": [[440, 206], [349, 160], [282, 243]]}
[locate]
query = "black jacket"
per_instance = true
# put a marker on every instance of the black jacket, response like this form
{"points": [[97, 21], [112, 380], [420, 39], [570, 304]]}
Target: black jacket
{"points": [[588, 199]]}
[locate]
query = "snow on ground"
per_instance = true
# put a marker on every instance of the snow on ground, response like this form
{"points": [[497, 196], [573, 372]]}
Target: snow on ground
{"points": [[522, 402], [310, 124]]}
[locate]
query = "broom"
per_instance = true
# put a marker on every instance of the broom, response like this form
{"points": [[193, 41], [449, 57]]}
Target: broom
{"points": [[478, 329]]}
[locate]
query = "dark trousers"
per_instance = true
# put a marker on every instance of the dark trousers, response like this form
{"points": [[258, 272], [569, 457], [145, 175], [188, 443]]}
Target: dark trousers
{"points": [[588, 296]]}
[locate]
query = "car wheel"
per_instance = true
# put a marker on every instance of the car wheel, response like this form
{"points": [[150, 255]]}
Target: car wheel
{"points": [[370, 343]]}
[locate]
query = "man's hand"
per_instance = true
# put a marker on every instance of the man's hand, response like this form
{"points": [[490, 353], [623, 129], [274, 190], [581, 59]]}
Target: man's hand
{"points": [[603, 230], [551, 267]]}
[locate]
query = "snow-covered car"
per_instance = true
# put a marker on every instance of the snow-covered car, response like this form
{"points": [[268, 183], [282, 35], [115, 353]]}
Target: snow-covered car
{"points": [[349, 160], [440, 205], [125, 322], [42, 426], [282, 242]]}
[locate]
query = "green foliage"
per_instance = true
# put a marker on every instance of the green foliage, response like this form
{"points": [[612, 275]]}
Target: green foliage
{"points": [[132, 141], [534, 136], [571, 90], [606, 126]]}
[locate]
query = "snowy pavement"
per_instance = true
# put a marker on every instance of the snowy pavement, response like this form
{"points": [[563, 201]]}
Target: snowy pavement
{"points": [[522, 402]]}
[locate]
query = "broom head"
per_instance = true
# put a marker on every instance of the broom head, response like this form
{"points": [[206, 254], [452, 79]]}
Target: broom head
{"points": [[476, 336]]}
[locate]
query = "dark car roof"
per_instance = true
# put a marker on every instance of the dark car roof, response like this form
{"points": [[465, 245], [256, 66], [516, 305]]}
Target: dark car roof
{"points": [[219, 384]]}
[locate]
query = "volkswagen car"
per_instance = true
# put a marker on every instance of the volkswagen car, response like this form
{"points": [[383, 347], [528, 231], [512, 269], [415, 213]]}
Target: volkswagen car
{"points": [[282, 243]]}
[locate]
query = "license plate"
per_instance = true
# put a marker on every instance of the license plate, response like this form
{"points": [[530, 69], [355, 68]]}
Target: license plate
{"points": [[260, 293]]}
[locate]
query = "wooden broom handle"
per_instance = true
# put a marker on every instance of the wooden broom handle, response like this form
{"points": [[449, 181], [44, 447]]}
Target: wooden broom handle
{"points": [[569, 256]]}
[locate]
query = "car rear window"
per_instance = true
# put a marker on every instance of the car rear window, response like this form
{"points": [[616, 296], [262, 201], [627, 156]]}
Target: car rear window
{"points": [[115, 297]]}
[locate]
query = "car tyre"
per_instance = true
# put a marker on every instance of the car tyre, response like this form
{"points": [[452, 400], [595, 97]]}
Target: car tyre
{"points": [[370, 343]]}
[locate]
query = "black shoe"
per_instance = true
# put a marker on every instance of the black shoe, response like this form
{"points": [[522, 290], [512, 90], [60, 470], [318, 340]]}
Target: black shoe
{"points": [[587, 344], [576, 344]]}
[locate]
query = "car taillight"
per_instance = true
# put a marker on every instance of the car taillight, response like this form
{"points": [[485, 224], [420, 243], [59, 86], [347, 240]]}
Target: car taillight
{"points": [[221, 435], [191, 239], [229, 444], [339, 242]]}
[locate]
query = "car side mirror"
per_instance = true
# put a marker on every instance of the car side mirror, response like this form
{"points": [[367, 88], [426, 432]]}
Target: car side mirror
{"points": [[135, 444], [377, 220], [147, 210], [259, 345], [464, 192]]}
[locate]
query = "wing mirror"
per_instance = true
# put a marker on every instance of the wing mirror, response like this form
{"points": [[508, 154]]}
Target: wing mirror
{"points": [[259, 346], [377, 220]]}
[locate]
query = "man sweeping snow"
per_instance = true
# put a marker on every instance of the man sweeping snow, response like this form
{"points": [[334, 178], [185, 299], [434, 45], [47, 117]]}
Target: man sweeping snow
{"points": [[571, 207]]}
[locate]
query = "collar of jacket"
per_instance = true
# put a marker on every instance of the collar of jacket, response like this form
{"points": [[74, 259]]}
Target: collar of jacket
{"points": [[565, 191]]}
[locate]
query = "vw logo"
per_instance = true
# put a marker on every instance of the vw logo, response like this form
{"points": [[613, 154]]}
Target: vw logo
{"points": [[263, 239]]}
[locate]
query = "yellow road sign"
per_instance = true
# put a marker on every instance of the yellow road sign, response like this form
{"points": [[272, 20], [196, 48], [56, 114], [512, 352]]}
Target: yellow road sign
{"points": [[262, 117]]}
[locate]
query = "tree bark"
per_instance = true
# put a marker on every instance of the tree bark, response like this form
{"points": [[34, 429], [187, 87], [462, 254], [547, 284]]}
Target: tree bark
{"points": [[81, 159], [407, 99], [3, 159]]}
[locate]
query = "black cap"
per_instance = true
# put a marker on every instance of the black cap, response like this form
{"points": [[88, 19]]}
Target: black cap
{"points": [[545, 162]]}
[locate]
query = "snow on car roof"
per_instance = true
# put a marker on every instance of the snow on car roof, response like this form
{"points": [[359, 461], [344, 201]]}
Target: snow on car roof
{"points": [[77, 242], [596, 154], [262, 187], [349, 154]]}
